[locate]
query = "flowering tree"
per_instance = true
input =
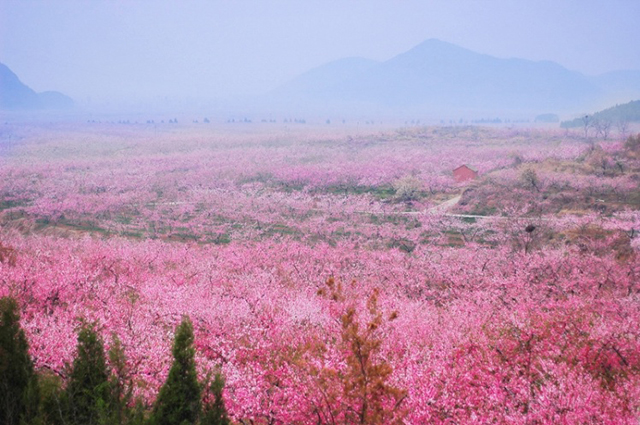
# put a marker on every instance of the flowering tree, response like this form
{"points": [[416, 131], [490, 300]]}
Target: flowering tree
{"points": [[516, 305]]}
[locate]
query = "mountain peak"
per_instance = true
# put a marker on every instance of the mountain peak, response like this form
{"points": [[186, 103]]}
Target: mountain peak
{"points": [[14, 94], [436, 75], [435, 48], [437, 43]]}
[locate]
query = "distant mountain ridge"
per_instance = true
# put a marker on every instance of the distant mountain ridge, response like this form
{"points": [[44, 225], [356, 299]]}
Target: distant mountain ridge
{"points": [[15, 95], [436, 75]]}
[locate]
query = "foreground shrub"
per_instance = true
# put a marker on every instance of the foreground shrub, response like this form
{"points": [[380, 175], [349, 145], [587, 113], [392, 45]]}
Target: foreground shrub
{"points": [[356, 389], [213, 410], [18, 383], [88, 389], [633, 144], [53, 400], [178, 401], [121, 387]]}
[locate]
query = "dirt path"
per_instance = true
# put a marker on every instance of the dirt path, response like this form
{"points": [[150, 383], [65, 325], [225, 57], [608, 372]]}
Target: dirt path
{"points": [[441, 208]]}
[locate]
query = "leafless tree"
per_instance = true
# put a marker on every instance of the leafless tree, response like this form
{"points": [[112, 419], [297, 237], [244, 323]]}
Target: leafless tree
{"points": [[602, 127], [530, 179], [623, 127]]}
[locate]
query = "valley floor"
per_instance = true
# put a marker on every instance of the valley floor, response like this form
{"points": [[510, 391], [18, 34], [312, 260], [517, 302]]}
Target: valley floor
{"points": [[330, 274]]}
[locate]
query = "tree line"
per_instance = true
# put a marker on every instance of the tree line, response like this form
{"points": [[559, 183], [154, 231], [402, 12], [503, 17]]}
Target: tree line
{"points": [[97, 391], [602, 122]]}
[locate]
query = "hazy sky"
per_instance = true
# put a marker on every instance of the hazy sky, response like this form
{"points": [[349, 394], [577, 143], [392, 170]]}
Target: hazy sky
{"points": [[138, 48]]}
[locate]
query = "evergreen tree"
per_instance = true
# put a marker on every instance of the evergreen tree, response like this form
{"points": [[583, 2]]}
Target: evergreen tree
{"points": [[137, 413], [178, 401], [121, 386], [18, 382], [88, 391], [214, 411], [53, 400]]}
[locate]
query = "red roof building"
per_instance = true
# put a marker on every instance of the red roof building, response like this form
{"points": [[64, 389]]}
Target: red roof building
{"points": [[464, 173]]}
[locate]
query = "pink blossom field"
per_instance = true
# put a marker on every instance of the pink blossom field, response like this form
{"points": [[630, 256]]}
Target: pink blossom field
{"points": [[320, 273]]}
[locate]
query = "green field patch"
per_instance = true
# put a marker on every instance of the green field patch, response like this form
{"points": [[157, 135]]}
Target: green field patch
{"points": [[378, 192], [281, 229], [8, 204]]}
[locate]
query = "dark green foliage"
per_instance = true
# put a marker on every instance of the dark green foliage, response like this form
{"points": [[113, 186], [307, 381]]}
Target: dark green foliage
{"points": [[94, 396], [120, 384], [32, 398], [88, 391], [137, 414], [213, 411], [53, 400], [178, 401], [18, 382]]}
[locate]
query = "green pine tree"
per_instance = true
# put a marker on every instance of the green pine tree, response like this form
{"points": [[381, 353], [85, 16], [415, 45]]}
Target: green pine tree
{"points": [[178, 401], [88, 390], [18, 382], [121, 385], [53, 401], [214, 411]]}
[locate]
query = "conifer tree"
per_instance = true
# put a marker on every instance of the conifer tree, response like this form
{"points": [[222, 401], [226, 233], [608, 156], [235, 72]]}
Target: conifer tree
{"points": [[88, 390], [214, 411], [120, 384], [178, 401], [53, 400], [18, 384]]}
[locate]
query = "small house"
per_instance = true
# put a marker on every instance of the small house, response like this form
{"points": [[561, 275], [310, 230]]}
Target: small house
{"points": [[464, 173]]}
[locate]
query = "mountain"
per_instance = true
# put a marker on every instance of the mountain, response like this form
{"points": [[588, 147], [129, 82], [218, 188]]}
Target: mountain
{"points": [[322, 80], [319, 89], [15, 95], [439, 76]]}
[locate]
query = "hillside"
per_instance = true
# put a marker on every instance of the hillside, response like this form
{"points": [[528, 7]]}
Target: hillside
{"points": [[15, 95], [439, 76], [629, 112]]}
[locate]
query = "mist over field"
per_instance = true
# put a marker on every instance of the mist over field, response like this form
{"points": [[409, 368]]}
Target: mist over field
{"points": [[319, 212], [430, 59]]}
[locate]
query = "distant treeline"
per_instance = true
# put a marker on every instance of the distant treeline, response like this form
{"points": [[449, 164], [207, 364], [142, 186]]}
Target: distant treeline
{"points": [[629, 112]]}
